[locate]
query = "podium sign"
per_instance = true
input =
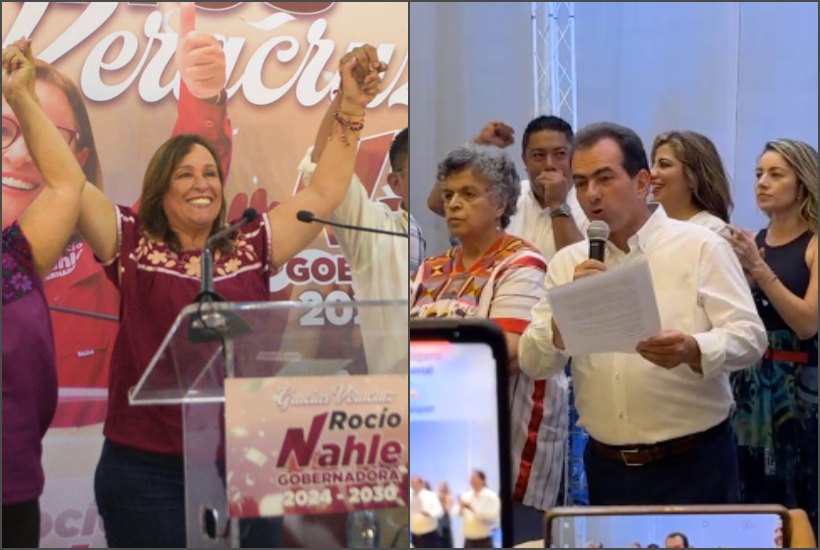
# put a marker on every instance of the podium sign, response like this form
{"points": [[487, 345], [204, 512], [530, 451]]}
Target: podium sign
{"points": [[256, 352], [313, 445]]}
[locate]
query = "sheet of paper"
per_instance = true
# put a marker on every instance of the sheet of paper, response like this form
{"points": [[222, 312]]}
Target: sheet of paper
{"points": [[609, 312]]}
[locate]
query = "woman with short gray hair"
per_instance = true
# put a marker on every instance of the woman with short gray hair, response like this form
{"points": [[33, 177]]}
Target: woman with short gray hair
{"points": [[490, 164], [489, 273]]}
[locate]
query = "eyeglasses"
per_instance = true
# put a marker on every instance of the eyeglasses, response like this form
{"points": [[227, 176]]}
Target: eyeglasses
{"points": [[11, 131]]}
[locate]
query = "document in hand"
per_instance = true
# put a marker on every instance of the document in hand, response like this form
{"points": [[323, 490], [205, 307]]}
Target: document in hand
{"points": [[610, 312]]}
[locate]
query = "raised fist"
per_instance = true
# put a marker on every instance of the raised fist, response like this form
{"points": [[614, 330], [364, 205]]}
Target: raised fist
{"points": [[199, 57], [496, 133]]}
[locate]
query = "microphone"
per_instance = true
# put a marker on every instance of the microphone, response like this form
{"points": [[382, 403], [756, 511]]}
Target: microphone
{"points": [[212, 324], [597, 233], [207, 293], [308, 217]]}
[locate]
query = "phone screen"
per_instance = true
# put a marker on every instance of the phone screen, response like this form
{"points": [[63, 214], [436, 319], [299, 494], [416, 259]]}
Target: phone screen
{"points": [[454, 433], [697, 530]]}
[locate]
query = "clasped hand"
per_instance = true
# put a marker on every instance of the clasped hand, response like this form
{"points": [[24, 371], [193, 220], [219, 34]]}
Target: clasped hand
{"points": [[18, 70]]}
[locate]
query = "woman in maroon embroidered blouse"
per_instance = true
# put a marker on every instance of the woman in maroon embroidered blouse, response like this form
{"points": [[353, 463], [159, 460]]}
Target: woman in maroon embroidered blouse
{"points": [[81, 299], [31, 245], [153, 258]]}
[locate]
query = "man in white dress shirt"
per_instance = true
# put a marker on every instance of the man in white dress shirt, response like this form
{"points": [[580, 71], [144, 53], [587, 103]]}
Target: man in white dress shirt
{"points": [[425, 511], [657, 418], [480, 511]]}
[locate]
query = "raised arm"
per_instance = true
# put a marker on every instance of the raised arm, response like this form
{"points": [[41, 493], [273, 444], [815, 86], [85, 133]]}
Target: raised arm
{"points": [[325, 127], [51, 218], [365, 56], [331, 180], [202, 107], [98, 223]]}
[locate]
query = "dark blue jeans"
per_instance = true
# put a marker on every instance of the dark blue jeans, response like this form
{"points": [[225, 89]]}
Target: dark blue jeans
{"points": [[707, 475], [141, 498]]}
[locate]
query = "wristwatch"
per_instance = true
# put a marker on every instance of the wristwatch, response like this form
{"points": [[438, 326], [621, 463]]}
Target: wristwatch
{"points": [[562, 211]]}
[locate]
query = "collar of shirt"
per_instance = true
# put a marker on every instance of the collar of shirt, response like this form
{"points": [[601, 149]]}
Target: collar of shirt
{"points": [[640, 242]]}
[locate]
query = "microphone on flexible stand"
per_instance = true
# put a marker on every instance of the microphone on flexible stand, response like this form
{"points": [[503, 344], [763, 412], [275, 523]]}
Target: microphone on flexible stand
{"points": [[308, 217], [207, 292], [597, 233], [211, 323]]}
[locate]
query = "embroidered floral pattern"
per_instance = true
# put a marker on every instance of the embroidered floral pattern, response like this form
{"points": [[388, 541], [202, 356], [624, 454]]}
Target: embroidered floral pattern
{"points": [[230, 266], [193, 266], [157, 257], [154, 254], [18, 271]]}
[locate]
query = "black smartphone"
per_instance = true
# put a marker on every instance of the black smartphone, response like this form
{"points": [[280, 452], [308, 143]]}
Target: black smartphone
{"points": [[724, 526], [459, 430]]}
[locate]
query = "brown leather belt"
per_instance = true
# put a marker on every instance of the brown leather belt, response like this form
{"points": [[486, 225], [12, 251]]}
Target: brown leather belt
{"points": [[641, 455]]}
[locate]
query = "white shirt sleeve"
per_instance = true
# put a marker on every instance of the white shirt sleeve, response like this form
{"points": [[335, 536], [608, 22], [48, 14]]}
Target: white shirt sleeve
{"points": [[537, 356], [738, 337], [355, 209]]}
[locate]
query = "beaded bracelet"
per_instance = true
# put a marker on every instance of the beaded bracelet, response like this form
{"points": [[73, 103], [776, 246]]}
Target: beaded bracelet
{"points": [[352, 125]]}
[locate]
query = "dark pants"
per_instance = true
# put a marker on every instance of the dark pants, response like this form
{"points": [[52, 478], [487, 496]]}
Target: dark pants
{"points": [[141, 499], [427, 540], [528, 523], [706, 475], [478, 543], [21, 525], [446, 537]]}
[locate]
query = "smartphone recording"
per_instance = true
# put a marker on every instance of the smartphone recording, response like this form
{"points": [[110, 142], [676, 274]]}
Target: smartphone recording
{"points": [[459, 488]]}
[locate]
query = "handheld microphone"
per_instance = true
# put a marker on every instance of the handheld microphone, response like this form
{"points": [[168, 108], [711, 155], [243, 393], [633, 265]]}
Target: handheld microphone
{"points": [[207, 292], [597, 233], [306, 216]]}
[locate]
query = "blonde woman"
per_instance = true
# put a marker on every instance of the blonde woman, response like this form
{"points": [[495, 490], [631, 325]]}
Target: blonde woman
{"points": [[776, 415]]}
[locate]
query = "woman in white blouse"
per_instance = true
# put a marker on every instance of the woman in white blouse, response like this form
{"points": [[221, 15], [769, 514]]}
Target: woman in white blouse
{"points": [[688, 179]]}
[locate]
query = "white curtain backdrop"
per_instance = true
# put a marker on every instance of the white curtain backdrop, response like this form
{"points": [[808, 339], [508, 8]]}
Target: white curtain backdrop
{"points": [[469, 63]]}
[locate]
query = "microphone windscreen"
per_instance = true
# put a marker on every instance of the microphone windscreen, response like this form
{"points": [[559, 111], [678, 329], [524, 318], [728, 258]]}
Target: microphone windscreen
{"points": [[249, 214], [598, 231], [304, 216]]}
